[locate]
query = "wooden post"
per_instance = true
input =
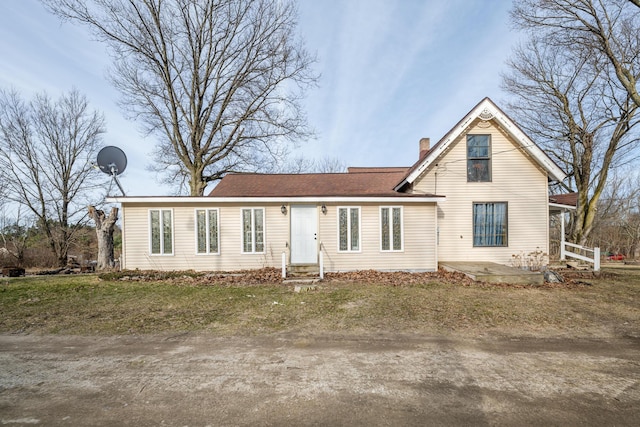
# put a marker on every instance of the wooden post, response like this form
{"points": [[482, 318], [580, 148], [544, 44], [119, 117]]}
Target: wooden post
{"points": [[563, 256]]}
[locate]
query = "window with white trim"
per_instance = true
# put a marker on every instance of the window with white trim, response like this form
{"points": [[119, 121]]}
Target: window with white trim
{"points": [[253, 230], [391, 228], [161, 231], [207, 226], [478, 158], [490, 225], [348, 229]]}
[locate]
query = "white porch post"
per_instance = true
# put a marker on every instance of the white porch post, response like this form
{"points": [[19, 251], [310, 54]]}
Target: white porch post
{"points": [[562, 242], [284, 265]]}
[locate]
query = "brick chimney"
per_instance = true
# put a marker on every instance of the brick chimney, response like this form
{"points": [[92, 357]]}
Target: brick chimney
{"points": [[425, 145]]}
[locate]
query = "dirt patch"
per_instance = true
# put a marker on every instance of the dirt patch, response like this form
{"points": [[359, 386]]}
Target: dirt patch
{"points": [[293, 379]]}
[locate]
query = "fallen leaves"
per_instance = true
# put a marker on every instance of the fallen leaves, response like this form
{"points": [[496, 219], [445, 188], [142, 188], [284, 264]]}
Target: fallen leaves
{"points": [[269, 275]]}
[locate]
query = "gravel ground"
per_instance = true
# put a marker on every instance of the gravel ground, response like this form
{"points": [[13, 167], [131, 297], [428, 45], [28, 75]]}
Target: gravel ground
{"points": [[295, 379]]}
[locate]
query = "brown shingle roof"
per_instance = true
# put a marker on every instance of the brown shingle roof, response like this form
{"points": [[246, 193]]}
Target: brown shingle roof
{"points": [[568, 199], [359, 169], [371, 184]]}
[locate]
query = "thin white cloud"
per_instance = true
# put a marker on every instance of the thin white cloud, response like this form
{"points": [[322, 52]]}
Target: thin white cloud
{"points": [[392, 72], [397, 71]]}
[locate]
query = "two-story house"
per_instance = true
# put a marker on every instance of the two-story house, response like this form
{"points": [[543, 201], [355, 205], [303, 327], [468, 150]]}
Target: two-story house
{"points": [[478, 194]]}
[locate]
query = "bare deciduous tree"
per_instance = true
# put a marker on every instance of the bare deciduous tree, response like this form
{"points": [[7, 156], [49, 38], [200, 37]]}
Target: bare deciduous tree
{"points": [[46, 152], [14, 233], [302, 164], [218, 81], [568, 102], [607, 28], [617, 228]]}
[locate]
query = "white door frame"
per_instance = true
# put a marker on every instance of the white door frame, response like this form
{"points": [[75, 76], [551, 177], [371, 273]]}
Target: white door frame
{"points": [[304, 234]]}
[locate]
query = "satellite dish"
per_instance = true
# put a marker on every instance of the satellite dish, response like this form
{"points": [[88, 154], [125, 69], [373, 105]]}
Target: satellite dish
{"points": [[112, 161]]}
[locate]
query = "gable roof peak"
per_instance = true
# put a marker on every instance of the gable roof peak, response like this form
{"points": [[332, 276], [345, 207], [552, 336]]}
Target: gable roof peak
{"points": [[485, 110]]}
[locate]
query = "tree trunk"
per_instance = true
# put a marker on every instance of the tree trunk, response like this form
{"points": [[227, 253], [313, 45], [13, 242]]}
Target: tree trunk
{"points": [[197, 183], [104, 230]]}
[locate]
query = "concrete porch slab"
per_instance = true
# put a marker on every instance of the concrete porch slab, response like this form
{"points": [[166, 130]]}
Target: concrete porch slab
{"points": [[491, 272]]}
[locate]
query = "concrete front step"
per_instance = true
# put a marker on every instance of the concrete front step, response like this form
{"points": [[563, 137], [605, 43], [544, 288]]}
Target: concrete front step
{"points": [[303, 274], [303, 269]]}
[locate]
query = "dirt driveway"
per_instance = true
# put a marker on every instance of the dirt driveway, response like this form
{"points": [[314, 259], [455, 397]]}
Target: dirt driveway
{"points": [[200, 380]]}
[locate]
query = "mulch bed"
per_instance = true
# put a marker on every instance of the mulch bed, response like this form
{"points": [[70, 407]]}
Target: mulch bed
{"points": [[266, 276]]}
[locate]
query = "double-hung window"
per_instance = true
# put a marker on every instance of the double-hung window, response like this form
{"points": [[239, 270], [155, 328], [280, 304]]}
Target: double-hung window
{"points": [[207, 226], [478, 158], [253, 230], [490, 224], [161, 230], [391, 228], [348, 229]]}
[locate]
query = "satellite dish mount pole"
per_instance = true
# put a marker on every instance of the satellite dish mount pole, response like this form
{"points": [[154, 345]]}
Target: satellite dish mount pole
{"points": [[114, 176]]}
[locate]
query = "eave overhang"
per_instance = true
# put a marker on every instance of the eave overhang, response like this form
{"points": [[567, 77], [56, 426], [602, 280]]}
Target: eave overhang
{"points": [[486, 110], [289, 200]]}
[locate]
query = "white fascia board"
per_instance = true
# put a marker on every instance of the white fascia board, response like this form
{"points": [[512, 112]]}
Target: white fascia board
{"points": [[489, 108], [530, 147], [560, 206], [326, 199], [445, 142]]}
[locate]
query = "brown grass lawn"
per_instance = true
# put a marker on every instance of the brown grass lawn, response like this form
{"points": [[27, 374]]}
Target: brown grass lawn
{"points": [[241, 305]]}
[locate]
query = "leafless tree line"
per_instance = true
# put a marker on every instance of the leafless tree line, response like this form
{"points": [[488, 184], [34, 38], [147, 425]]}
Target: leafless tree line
{"points": [[573, 86], [47, 148], [617, 223], [217, 81]]}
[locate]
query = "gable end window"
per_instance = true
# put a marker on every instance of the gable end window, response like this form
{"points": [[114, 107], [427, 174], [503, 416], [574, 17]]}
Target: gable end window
{"points": [[391, 229], [349, 229], [161, 231], [253, 230], [490, 224], [207, 241], [478, 158]]}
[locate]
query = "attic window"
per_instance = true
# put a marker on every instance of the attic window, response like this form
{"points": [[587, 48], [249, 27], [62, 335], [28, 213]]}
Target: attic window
{"points": [[478, 158]]}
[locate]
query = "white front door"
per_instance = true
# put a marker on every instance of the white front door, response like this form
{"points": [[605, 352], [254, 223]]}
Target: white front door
{"points": [[304, 230]]}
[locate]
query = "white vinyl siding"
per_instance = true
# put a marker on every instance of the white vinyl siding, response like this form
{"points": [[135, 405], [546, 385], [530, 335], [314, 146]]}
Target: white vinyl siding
{"points": [[161, 232], [391, 230], [418, 220], [207, 234], [419, 247], [253, 230], [349, 229], [137, 251], [515, 179]]}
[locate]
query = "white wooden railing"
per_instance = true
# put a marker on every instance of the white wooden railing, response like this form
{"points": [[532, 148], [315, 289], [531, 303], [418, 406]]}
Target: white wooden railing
{"points": [[284, 265], [564, 253]]}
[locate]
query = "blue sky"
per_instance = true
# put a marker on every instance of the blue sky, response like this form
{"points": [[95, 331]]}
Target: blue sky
{"points": [[392, 72]]}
